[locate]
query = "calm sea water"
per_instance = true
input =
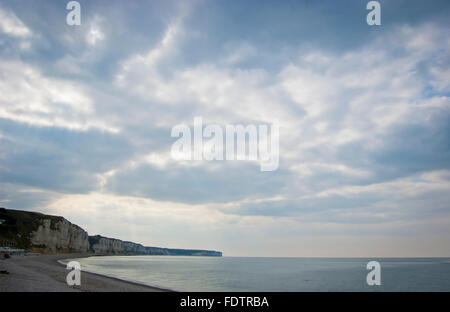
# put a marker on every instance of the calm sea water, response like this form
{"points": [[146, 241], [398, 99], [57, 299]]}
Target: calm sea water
{"points": [[274, 274]]}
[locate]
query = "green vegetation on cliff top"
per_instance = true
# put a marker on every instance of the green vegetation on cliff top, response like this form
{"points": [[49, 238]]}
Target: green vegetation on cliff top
{"points": [[17, 226]]}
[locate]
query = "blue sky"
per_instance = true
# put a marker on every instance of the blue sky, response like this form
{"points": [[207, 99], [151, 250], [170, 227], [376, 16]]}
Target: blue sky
{"points": [[86, 114]]}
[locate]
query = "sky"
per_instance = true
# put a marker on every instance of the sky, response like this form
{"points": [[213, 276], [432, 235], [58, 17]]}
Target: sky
{"points": [[86, 114]]}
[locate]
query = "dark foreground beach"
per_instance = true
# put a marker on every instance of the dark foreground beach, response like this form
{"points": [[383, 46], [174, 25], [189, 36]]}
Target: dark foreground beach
{"points": [[44, 273]]}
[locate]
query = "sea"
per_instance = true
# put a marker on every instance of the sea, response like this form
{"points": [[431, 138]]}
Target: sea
{"points": [[242, 274]]}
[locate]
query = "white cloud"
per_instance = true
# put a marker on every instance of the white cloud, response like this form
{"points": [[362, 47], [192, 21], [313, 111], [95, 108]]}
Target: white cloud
{"points": [[323, 100], [403, 187], [308, 168], [11, 25], [349, 92], [95, 33], [26, 95]]}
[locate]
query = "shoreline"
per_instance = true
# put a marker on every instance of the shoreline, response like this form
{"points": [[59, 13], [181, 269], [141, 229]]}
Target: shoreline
{"points": [[47, 273], [161, 288]]}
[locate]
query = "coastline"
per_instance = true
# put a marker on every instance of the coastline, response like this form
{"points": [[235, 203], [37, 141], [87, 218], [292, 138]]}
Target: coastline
{"points": [[159, 288], [47, 273]]}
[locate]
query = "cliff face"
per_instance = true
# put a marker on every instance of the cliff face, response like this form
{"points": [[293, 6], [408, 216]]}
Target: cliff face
{"points": [[51, 234], [41, 233], [59, 236], [111, 246]]}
